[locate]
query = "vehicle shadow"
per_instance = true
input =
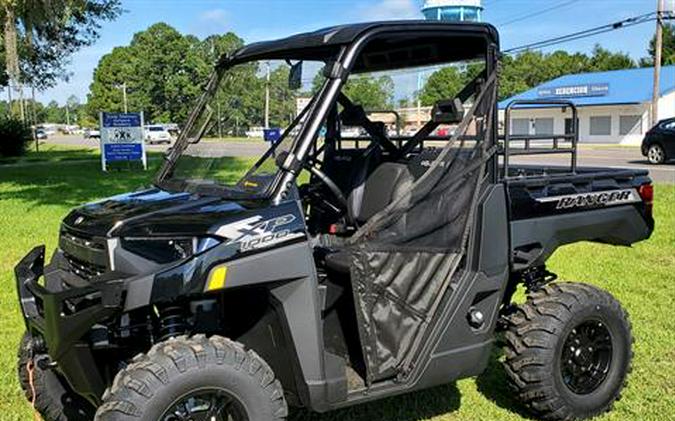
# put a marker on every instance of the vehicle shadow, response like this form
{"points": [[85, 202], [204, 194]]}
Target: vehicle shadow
{"points": [[411, 407], [646, 162], [493, 384]]}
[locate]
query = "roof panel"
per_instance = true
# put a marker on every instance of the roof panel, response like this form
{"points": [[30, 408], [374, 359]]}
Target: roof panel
{"points": [[324, 43]]}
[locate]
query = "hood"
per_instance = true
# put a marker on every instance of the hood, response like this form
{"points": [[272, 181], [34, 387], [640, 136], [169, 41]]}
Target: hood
{"points": [[152, 212]]}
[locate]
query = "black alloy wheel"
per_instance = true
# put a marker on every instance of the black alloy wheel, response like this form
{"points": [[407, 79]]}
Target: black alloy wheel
{"points": [[568, 351], [586, 357], [207, 405]]}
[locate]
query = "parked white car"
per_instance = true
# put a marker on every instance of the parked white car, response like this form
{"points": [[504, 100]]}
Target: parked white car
{"points": [[256, 132], [92, 134], [157, 134]]}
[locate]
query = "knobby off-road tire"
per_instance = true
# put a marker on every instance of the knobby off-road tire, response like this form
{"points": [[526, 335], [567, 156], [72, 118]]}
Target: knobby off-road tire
{"points": [[557, 351], [54, 399], [175, 370]]}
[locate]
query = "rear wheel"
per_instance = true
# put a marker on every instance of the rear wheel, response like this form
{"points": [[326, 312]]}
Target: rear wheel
{"points": [[196, 378], [656, 154], [53, 398], [568, 351]]}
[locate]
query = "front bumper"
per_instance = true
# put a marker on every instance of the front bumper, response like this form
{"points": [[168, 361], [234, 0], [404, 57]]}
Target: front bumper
{"points": [[63, 317]]}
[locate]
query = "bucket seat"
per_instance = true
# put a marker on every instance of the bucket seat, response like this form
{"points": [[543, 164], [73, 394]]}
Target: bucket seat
{"points": [[386, 184]]}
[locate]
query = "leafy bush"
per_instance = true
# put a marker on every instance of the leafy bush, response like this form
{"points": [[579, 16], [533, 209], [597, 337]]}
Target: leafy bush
{"points": [[14, 137]]}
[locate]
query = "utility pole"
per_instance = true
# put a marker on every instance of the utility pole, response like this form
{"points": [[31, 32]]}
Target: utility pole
{"points": [[124, 93], [657, 61], [35, 122], [22, 104], [123, 87], [267, 98], [220, 128]]}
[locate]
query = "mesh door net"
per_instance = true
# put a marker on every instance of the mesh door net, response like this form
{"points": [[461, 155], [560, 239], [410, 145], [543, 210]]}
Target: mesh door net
{"points": [[405, 257]]}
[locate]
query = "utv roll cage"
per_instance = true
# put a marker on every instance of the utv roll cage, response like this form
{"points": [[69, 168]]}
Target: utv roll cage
{"points": [[355, 49]]}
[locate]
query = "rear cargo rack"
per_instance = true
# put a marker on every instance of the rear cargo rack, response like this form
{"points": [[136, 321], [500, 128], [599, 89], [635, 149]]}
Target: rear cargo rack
{"points": [[507, 149]]}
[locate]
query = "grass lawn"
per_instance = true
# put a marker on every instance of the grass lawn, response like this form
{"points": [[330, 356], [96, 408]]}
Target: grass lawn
{"points": [[34, 199], [49, 152]]}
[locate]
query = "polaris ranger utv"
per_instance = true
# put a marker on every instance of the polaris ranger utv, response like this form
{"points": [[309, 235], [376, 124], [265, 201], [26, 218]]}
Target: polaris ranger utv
{"points": [[337, 270]]}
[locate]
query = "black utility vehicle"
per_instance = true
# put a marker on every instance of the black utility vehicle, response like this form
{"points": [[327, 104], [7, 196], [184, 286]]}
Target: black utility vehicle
{"points": [[389, 270], [659, 143]]}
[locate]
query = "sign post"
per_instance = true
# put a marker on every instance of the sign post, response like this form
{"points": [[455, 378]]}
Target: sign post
{"points": [[122, 138]]}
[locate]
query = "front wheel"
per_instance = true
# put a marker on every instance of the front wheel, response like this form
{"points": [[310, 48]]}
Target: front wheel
{"points": [[656, 154], [196, 378], [568, 351], [50, 392]]}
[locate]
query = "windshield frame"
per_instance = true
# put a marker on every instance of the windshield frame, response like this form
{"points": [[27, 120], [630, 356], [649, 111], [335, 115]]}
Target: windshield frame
{"points": [[339, 64], [164, 180]]}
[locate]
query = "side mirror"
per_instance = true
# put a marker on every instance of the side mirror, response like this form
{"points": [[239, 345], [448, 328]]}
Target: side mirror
{"points": [[295, 76]]}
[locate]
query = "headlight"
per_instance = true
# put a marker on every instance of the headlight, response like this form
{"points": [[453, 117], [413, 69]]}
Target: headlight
{"points": [[164, 250]]}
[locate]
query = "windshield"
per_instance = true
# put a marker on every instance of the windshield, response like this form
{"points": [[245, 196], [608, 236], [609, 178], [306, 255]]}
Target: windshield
{"points": [[156, 129], [249, 111]]}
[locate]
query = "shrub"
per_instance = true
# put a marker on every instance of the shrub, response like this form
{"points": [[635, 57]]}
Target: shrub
{"points": [[14, 137]]}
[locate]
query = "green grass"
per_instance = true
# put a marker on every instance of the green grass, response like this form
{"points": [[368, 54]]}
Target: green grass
{"points": [[54, 153], [34, 199]]}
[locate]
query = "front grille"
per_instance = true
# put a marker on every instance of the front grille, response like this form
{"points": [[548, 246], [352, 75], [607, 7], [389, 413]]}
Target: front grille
{"points": [[83, 269], [87, 257]]}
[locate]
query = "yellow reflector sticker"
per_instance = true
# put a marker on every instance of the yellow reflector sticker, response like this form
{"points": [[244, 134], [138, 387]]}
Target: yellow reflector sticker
{"points": [[217, 279]]}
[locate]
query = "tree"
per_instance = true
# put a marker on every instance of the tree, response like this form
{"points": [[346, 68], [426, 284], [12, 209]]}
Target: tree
{"points": [[668, 56], [40, 36], [164, 72], [443, 84], [604, 60], [53, 113], [531, 68], [372, 93], [282, 99]]}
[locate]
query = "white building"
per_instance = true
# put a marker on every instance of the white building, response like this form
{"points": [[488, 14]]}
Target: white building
{"points": [[614, 107]]}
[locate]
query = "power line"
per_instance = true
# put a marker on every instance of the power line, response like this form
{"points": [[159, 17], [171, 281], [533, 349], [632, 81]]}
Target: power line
{"points": [[538, 13], [622, 24]]}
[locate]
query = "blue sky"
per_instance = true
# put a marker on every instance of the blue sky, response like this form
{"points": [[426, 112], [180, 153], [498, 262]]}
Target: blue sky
{"points": [[256, 20]]}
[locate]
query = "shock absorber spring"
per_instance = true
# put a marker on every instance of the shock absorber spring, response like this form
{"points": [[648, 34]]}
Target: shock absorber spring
{"points": [[171, 322]]}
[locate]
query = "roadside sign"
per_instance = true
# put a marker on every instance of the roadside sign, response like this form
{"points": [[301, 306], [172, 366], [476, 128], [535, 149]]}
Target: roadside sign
{"points": [[122, 138], [272, 135]]}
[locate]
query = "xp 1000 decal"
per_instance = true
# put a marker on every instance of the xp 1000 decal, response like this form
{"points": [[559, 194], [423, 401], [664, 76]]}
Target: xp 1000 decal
{"points": [[593, 200], [256, 232]]}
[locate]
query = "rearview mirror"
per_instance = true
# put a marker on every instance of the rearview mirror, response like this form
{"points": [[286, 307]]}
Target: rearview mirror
{"points": [[448, 112], [295, 76]]}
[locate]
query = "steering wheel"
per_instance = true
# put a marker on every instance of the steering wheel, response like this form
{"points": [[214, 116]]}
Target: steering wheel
{"points": [[334, 189]]}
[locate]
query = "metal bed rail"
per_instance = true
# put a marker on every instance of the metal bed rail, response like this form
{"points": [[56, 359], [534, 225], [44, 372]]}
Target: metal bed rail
{"points": [[528, 149]]}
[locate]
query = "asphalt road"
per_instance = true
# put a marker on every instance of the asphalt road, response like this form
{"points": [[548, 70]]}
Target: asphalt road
{"points": [[589, 155]]}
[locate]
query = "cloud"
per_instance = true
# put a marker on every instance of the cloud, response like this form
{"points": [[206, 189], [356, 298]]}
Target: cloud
{"points": [[390, 10], [212, 21]]}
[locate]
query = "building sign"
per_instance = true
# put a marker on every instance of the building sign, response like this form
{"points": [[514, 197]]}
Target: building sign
{"points": [[575, 91], [122, 138]]}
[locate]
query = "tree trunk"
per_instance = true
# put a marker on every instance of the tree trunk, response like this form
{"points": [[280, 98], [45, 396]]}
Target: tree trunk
{"points": [[11, 48]]}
